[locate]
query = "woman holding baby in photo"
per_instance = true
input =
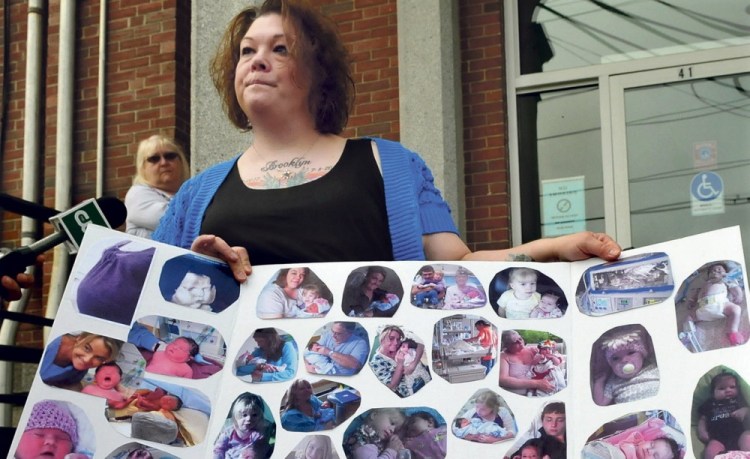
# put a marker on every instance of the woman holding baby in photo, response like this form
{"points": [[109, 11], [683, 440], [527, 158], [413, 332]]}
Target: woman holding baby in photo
{"points": [[275, 359], [487, 420], [397, 363], [303, 411], [516, 359]]}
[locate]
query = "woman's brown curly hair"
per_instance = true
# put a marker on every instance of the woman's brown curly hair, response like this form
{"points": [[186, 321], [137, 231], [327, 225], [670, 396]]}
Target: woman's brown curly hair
{"points": [[315, 45]]}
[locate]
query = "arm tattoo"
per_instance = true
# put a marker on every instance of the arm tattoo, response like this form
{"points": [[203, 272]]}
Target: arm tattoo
{"points": [[518, 257]]}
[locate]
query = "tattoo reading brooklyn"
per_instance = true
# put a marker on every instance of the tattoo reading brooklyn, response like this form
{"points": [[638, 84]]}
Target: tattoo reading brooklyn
{"points": [[294, 163]]}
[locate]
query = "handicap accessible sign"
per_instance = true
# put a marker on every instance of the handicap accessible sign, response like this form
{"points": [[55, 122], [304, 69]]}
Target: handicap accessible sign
{"points": [[707, 194]]}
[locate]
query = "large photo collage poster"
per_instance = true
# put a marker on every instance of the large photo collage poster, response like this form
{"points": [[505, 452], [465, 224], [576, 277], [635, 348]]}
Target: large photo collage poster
{"points": [[158, 352]]}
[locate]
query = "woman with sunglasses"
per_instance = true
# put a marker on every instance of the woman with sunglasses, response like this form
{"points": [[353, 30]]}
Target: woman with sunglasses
{"points": [[162, 167]]}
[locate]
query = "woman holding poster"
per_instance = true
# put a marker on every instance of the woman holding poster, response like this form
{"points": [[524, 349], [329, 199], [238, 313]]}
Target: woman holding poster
{"points": [[283, 72]]}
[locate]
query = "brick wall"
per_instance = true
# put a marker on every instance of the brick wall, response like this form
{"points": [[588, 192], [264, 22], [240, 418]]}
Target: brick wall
{"points": [[147, 47], [485, 141], [368, 27]]}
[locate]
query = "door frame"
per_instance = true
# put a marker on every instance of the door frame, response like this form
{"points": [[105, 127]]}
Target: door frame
{"points": [[614, 135]]}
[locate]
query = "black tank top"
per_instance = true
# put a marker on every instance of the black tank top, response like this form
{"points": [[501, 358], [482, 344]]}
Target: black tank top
{"points": [[339, 217]]}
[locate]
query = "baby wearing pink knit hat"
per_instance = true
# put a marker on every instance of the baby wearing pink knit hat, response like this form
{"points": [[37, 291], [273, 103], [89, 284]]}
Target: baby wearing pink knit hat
{"points": [[630, 372], [51, 431]]}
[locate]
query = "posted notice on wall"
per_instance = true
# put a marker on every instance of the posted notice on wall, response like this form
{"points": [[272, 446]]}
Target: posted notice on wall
{"points": [[563, 206]]}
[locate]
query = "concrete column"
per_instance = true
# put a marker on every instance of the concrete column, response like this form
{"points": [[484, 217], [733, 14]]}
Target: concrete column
{"points": [[213, 137], [430, 92]]}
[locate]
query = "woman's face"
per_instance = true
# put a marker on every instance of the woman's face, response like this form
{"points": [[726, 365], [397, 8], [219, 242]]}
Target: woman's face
{"points": [[295, 277], [262, 341], [374, 280], [46, 443], [316, 449], [516, 343], [86, 355], [484, 410], [304, 391], [461, 279], [246, 418], [392, 341], [162, 169], [265, 74]]}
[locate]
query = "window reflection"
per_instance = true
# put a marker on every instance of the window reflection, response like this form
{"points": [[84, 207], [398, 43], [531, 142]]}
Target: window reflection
{"points": [[562, 34], [674, 132], [559, 138]]}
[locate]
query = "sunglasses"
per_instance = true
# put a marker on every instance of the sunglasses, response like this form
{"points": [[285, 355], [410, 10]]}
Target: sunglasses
{"points": [[168, 156]]}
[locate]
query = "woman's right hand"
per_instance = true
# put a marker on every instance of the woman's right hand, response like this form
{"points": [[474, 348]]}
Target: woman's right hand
{"points": [[236, 257]]}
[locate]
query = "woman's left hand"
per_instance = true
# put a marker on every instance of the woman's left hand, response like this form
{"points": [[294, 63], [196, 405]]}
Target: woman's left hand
{"points": [[236, 257], [583, 245]]}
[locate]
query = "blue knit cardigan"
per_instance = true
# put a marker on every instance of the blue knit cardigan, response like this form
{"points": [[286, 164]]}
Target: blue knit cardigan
{"points": [[414, 206]]}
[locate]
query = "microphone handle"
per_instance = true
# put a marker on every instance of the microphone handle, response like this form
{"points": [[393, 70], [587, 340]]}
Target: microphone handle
{"points": [[16, 261]]}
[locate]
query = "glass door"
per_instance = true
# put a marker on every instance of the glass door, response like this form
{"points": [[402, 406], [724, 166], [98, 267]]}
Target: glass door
{"points": [[681, 151]]}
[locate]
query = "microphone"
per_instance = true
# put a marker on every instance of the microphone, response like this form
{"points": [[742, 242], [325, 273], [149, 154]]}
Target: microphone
{"points": [[26, 208], [16, 261]]}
